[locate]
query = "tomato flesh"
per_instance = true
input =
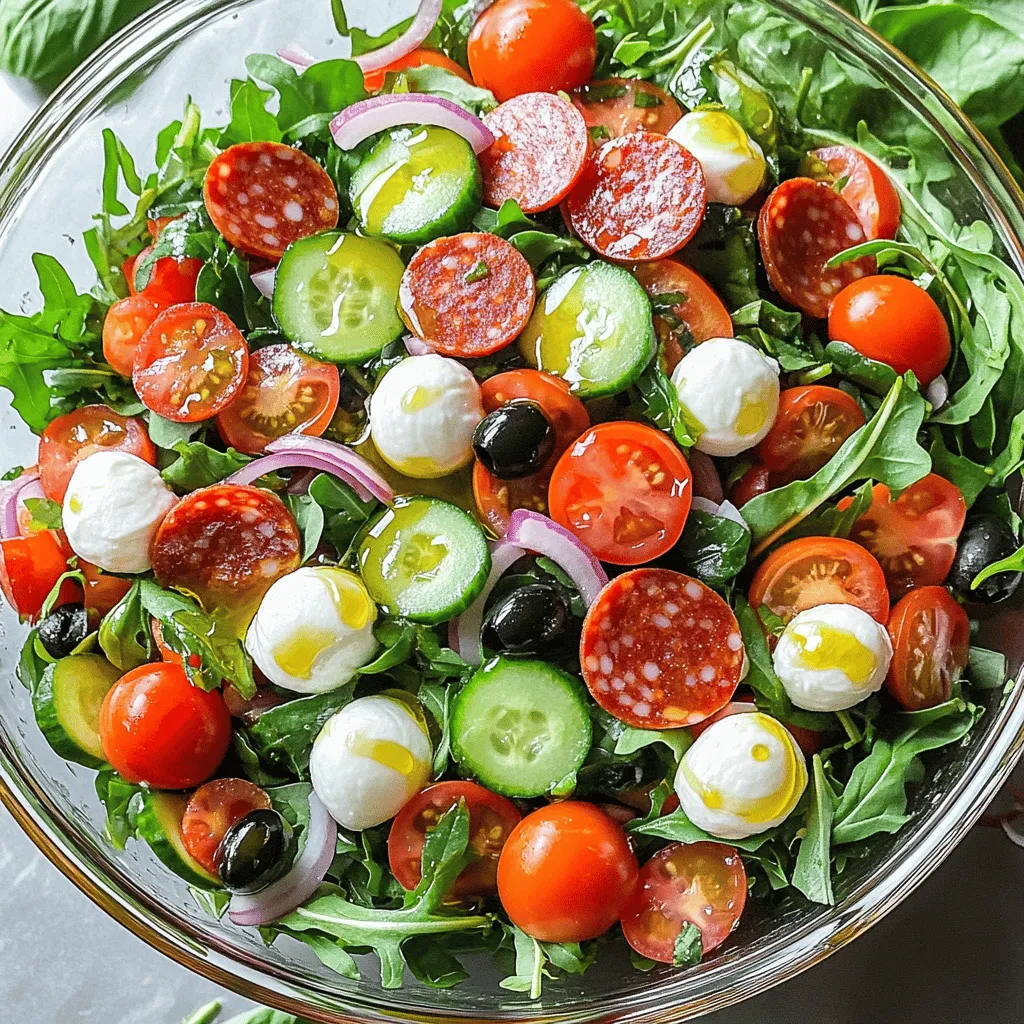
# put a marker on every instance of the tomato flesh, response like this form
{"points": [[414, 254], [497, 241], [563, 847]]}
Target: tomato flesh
{"points": [[102, 590], [211, 810], [868, 189], [619, 106], [123, 327], [29, 570], [373, 80]]}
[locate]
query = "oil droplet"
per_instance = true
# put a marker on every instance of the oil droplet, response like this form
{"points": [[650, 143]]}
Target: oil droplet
{"points": [[354, 606], [75, 504], [385, 752], [418, 398], [760, 752], [823, 647], [753, 412], [298, 653]]}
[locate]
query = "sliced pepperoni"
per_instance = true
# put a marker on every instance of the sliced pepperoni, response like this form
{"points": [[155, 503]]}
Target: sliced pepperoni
{"points": [[660, 650], [641, 197], [539, 151], [803, 224], [226, 544], [262, 196], [467, 295]]}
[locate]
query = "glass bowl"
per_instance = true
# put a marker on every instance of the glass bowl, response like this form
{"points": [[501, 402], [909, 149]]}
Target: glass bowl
{"points": [[49, 188]]}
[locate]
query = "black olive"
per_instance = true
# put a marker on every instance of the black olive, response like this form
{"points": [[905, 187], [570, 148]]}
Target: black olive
{"points": [[515, 440], [63, 630], [984, 539], [253, 852], [532, 619]]}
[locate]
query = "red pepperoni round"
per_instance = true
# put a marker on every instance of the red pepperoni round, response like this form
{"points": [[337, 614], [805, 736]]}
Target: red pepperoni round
{"points": [[802, 225], [641, 197], [467, 295], [660, 650], [539, 151], [226, 544], [262, 196]]}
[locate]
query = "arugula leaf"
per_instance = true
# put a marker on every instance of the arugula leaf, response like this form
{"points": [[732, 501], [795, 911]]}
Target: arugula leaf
{"points": [[199, 465], [439, 82], [250, 119], [122, 802], [31, 664], [847, 362], [712, 548], [986, 670], [724, 251], [309, 517], [778, 334], [535, 960], [813, 872], [689, 947], [678, 828], [630, 740]]}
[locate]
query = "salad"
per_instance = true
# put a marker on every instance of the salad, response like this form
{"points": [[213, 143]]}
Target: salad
{"points": [[522, 485]]}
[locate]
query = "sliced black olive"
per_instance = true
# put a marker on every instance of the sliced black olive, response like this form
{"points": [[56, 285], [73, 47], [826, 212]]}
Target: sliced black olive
{"points": [[531, 620], [515, 440], [984, 539], [254, 851], [63, 630]]}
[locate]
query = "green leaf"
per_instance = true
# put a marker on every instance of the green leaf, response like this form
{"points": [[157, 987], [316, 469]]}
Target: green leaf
{"points": [[813, 872], [45, 514], [724, 251], [250, 119], [688, 948], [439, 82], [199, 465], [118, 164], [211, 1011], [659, 404], [310, 519], [678, 828], [986, 670], [631, 740], [122, 802], [169, 434], [713, 548], [847, 362]]}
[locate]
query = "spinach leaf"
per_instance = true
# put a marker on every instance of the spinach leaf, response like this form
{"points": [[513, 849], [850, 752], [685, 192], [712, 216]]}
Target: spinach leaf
{"points": [[199, 465], [712, 548], [986, 670], [778, 334], [813, 872], [847, 362], [309, 517], [659, 403], [689, 947], [724, 251], [678, 828]]}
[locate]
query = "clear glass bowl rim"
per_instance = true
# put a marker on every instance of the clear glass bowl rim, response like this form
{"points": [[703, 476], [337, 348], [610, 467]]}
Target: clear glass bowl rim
{"points": [[725, 981]]}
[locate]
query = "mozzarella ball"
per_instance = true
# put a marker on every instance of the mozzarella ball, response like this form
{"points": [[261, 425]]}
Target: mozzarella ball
{"points": [[423, 414], [733, 162], [112, 508], [743, 775], [832, 657], [730, 394], [313, 630], [370, 759]]}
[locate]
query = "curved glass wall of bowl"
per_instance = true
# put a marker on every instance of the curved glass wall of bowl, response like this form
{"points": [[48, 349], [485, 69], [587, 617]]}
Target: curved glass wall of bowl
{"points": [[49, 186]]}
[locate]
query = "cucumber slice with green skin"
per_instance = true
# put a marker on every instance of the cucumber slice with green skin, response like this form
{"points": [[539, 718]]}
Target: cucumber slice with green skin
{"points": [[520, 727], [336, 296], [159, 823], [417, 184], [593, 328], [425, 560], [67, 705]]}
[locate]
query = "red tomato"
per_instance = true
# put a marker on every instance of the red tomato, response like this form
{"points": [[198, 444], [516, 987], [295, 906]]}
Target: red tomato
{"points": [[624, 489], [491, 819], [519, 46], [157, 225], [914, 537], [157, 728], [71, 438], [496, 499], [102, 591], [123, 327], [754, 481], [171, 281], [128, 269], [286, 392], [868, 189], [931, 638], [619, 106], [892, 320], [820, 570], [565, 872], [211, 810], [703, 884], [29, 570], [191, 363], [807, 740], [373, 80], [811, 425]]}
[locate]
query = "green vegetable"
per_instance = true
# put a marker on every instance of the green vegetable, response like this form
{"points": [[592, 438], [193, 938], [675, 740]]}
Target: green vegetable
{"points": [[678, 828], [44, 514], [712, 548], [688, 948], [199, 465], [813, 872]]}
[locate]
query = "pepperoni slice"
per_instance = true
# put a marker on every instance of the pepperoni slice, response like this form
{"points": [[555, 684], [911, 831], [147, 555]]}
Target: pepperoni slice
{"points": [[660, 650], [641, 197], [467, 295], [802, 225], [539, 152], [226, 544], [262, 196]]}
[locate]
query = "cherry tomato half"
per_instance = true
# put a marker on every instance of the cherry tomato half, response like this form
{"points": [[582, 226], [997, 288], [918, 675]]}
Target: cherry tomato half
{"points": [[171, 281], [29, 570], [931, 638], [123, 327], [914, 537], [703, 884], [893, 321], [211, 810], [624, 489], [491, 819], [373, 80], [519, 46], [820, 570], [102, 590], [157, 728], [868, 189], [619, 106], [72, 438], [191, 363], [565, 872]]}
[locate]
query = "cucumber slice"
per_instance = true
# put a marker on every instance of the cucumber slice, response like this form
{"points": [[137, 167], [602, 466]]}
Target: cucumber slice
{"points": [[520, 727], [159, 823], [67, 705], [417, 184], [336, 296], [592, 327], [425, 560]]}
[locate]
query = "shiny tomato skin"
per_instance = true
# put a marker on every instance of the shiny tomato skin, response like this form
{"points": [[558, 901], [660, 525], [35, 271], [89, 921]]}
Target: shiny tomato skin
{"points": [[868, 189], [126, 322], [519, 46], [211, 810], [491, 819], [613, 107], [931, 639], [756, 480], [893, 321], [422, 55], [703, 884], [102, 590], [565, 872], [29, 570], [172, 281], [156, 728], [72, 438]]}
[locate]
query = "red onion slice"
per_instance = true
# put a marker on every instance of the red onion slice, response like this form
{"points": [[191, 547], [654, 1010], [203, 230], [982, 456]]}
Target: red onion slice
{"points": [[725, 510], [937, 392], [291, 891], [417, 346], [12, 496], [264, 281], [379, 113], [426, 18], [465, 629], [706, 481], [296, 55]]}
